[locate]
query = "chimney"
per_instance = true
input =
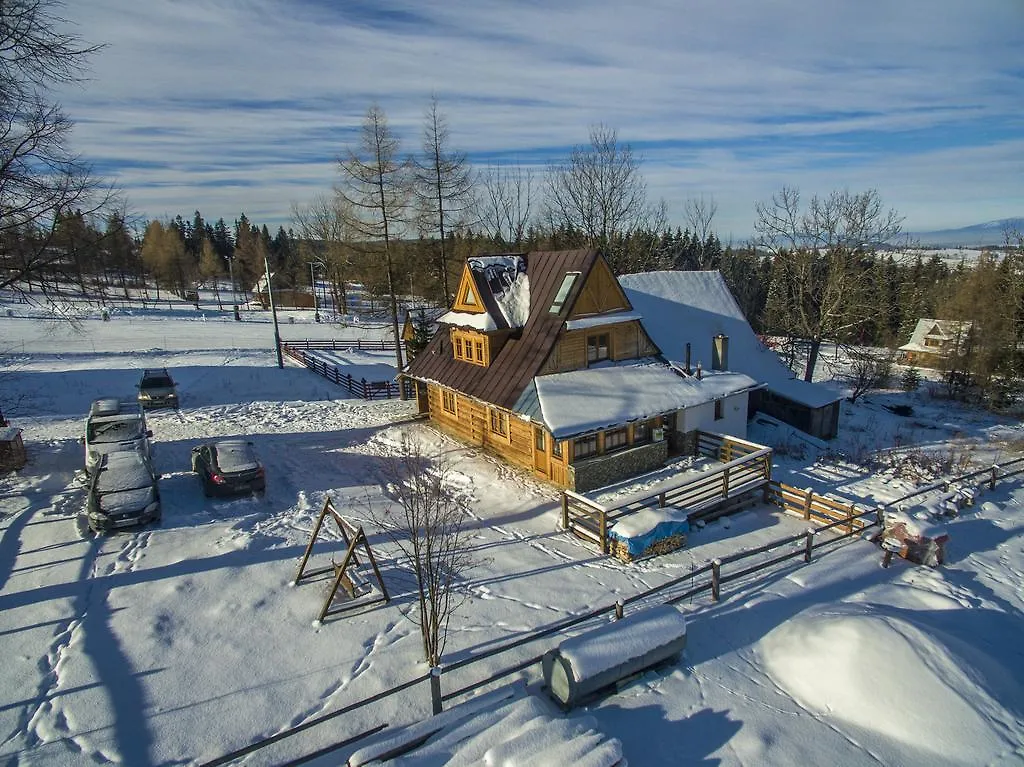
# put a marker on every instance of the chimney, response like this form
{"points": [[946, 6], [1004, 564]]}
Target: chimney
{"points": [[687, 358], [720, 352], [700, 372]]}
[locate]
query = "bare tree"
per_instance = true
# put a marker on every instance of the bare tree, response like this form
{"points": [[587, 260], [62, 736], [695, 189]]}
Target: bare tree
{"points": [[427, 523], [817, 253], [505, 202], [375, 185], [599, 190], [700, 215], [326, 237], [869, 369], [443, 182], [39, 174]]}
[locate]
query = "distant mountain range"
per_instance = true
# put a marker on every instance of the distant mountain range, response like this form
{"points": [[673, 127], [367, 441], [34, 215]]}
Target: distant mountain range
{"points": [[977, 235]]}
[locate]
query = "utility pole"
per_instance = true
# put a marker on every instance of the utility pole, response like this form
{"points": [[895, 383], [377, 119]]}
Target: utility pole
{"points": [[273, 312], [234, 293], [312, 286]]}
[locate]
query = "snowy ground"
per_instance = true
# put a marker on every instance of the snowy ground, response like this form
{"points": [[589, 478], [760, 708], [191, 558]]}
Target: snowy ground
{"points": [[176, 644]]}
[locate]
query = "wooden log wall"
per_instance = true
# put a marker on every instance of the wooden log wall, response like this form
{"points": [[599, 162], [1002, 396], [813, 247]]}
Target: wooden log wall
{"points": [[626, 340]]}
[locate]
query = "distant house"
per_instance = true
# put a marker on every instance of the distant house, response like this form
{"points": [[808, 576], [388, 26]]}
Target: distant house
{"points": [[933, 342], [543, 360], [685, 311]]}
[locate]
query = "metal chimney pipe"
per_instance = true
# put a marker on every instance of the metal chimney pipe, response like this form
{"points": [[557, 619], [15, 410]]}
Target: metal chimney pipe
{"points": [[687, 358]]}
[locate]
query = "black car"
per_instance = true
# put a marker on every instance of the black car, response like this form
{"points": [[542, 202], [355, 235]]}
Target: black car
{"points": [[123, 491], [229, 467], [157, 389]]}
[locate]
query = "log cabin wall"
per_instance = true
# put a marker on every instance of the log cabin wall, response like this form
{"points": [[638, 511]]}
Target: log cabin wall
{"points": [[472, 423], [627, 340]]}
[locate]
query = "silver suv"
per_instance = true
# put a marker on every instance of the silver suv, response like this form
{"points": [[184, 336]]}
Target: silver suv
{"points": [[157, 389], [114, 426]]}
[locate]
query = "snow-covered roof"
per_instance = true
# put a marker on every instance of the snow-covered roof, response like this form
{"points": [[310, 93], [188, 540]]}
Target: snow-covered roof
{"points": [[505, 289], [583, 401], [482, 322], [693, 307], [609, 318], [944, 331]]}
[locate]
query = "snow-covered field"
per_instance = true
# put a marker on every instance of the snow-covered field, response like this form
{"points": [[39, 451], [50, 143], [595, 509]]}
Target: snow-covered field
{"points": [[179, 643]]}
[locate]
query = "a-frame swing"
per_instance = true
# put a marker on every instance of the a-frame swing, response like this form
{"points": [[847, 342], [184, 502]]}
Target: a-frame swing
{"points": [[345, 574]]}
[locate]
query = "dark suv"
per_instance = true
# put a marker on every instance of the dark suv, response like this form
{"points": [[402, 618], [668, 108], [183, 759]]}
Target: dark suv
{"points": [[156, 389]]}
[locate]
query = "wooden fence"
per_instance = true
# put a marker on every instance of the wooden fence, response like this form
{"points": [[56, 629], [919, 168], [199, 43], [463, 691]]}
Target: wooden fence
{"points": [[706, 579], [359, 387], [746, 467], [361, 344], [814, 507]]}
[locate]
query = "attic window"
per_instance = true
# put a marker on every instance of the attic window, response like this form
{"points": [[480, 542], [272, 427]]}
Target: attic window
{"points": [[469, 298], [563, 291]]}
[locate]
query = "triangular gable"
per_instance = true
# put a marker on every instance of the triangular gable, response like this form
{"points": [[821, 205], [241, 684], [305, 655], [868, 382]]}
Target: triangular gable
{"points": [[467, 298], [600, 293]]}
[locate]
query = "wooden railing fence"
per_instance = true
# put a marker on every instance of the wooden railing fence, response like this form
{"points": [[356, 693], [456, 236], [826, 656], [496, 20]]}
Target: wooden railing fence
{"points": [[745, 467], [814, 507], [718, 572], [363, 344], [359, 387]]}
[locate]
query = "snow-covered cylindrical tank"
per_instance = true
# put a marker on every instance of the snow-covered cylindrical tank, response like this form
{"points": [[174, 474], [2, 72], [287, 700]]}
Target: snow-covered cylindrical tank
{"points": [[584, 665]]}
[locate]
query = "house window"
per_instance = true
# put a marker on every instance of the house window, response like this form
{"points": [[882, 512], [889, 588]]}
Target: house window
{"points": [[615, 439], [719, 410], [499, 422], [470, 347], [585, 446], [556, 448], [448, 401], [641, 432], [538, 440], [597, 348], [563, 292]]}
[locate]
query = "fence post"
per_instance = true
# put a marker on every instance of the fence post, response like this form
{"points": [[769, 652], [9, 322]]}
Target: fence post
{"points": [[716, 574], [808, 495], [604, 533], [366, 394], [880, 516], [992, 482], [725, 483], [435, 689], [809, 544], [618, 610], [565, 511], [661, 500]]}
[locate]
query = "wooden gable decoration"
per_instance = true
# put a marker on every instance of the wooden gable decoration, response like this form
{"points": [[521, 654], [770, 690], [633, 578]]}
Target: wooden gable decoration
{"points": [[408, 329], [466, 298], [600, 293]]}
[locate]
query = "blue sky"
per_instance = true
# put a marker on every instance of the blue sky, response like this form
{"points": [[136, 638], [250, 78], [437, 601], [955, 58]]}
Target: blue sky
{"points": [[244, 105]]}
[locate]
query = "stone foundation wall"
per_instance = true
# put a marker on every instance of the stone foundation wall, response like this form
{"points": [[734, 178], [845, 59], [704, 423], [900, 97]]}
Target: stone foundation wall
{"points": [[607, 469]]}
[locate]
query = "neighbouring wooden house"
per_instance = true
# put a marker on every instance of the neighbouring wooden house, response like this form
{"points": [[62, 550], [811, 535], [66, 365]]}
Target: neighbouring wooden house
{"points": [[934, 342], [685, 311], [544, 361]]}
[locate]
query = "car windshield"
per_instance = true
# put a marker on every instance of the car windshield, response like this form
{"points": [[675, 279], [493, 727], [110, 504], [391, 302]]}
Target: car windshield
{"points": [[124, 476], [157, 382], [115, 431]]}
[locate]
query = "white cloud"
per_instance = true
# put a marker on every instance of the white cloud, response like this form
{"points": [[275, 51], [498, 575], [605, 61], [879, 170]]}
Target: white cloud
{"points": [[731, 99]]}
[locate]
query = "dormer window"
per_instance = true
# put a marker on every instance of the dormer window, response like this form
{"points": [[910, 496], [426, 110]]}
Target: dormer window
{"points": [[563, 291], [471, 347]]}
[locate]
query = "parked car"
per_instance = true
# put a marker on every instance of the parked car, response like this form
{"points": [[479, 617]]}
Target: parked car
{"points": [[114, 426], [229, 467], [124, 490], [157, 389]]}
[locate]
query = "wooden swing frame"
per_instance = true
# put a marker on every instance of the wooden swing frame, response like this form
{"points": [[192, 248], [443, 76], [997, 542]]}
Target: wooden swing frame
{"points": [[353, 536]]}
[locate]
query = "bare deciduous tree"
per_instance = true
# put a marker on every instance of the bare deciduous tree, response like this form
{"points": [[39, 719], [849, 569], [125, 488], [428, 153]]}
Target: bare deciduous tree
{"points": [[376, 186], [326, 237], [869, 369], [700, 215], [816, 252], [599, 190], [505, 202], [427, 523], [39, 174], [443, 182]]}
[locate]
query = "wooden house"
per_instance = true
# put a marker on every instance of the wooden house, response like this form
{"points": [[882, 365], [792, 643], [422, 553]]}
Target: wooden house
{"points": [[934, 342], [543, 360]]}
